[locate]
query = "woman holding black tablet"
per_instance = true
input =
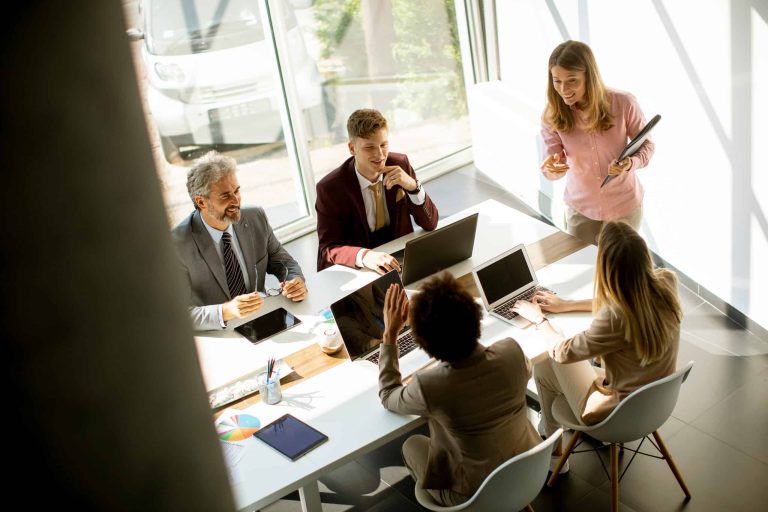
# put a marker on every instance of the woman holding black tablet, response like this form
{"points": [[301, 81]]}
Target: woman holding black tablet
{"points": [[585, 127]]}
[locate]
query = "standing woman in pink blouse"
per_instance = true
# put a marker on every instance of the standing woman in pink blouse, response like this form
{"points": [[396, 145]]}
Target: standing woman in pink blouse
{"points": [[585, 126]]}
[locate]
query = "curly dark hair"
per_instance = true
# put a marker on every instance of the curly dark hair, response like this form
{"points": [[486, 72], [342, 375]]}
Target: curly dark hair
{"points": [[445, 319]]}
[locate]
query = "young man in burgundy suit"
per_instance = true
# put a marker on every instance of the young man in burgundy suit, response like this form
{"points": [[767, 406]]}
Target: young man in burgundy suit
{"points": [[351, 216]]}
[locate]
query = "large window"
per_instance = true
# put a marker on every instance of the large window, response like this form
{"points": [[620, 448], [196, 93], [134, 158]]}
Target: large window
{"points": [[272, 83]]}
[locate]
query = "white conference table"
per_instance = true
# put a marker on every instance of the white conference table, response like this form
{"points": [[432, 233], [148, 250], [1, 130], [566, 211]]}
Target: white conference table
{"points": [[342, 401], [225, 355]]}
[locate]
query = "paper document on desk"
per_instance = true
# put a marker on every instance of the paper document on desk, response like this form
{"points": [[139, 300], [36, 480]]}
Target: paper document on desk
{"points": [[235, 429], [233, 453]]}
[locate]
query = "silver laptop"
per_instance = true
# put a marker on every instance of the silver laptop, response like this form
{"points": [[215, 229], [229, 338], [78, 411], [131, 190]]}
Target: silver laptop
{"points": [[360, 320], [504, 280], [437, 250]]}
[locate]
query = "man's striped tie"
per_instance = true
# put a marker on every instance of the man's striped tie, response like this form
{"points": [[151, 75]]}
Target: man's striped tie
{"points": [[235, 280]]}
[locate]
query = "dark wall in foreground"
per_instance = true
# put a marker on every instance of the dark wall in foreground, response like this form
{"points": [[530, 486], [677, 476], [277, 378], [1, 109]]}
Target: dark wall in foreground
{"points": [[105, 406]]}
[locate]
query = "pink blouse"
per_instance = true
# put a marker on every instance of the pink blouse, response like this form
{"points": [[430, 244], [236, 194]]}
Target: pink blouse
{"points": [[590, 153]]}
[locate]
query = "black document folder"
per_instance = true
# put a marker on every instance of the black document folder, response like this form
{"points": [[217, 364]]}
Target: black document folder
{"points": [[634, 145]]}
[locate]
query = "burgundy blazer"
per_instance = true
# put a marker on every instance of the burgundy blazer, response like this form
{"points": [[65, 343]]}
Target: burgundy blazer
{"points": [[341, 224]]}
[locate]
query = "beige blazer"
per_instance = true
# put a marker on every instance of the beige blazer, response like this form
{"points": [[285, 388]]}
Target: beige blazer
{"points": [[475, 409], [623, 372]]}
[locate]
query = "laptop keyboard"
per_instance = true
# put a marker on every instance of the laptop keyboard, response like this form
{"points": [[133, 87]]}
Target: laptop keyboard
{"points": [[505, 308], [405, 344]]}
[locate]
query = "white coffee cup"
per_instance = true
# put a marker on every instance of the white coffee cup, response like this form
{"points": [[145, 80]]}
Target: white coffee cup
{"points": [[330, 340]]}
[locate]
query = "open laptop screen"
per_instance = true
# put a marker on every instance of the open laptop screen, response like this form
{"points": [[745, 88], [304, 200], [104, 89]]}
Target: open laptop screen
{"points": [[504, 276], [360, 315], [439, 249], [436, 250]]}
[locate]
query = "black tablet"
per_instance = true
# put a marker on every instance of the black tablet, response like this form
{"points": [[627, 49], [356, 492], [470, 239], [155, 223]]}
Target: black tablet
{"points": [[291, 436], [268, 325], [633, 145]]}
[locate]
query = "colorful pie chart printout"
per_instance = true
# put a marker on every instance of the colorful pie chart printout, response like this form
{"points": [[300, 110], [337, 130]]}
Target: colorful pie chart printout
{"points": [[238, 427]]}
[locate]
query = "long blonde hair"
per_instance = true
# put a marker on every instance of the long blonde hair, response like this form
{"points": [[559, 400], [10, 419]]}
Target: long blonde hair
{"points": [[627, 284], [576, 56]]}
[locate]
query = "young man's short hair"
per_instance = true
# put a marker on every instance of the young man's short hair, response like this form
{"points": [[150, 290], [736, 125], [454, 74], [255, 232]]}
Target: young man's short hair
{"points": [[364, 123], [445, 319]]}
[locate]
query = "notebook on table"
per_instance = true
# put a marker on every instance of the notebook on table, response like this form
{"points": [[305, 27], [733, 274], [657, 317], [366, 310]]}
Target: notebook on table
{"points": [[504, 280], [360, 321], [437, 250]]}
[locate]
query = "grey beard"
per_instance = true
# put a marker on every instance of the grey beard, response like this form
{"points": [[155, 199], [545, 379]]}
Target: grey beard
{"points": [[232, 220]]}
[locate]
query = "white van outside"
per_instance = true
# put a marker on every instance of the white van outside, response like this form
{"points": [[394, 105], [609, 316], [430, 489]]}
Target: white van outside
{"points": [[210, 77]]}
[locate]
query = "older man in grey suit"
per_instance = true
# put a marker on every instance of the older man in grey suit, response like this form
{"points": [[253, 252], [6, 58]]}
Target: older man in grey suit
{"points": [[226, 252]]}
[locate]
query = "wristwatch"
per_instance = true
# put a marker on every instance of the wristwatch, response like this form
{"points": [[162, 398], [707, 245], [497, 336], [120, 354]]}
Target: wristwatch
{"points": [[417, 189]]}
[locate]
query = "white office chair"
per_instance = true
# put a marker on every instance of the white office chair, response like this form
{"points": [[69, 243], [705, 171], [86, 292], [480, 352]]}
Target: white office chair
{"points": [[511, 486], [638, 416]]}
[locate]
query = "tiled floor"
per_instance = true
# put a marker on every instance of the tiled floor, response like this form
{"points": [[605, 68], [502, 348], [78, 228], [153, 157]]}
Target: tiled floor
{"points": [[718, 433]]}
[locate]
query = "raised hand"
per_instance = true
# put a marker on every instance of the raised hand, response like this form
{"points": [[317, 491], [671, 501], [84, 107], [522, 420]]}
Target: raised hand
{"points": [[395, 175], [395, 312], [552, 165]]}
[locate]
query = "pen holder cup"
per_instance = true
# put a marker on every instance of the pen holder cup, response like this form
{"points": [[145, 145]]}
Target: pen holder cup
{"points": [[269, 388]]}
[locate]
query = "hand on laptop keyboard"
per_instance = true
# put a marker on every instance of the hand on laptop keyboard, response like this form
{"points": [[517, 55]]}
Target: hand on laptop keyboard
{"points": [[506, 309], [528, 310], [548, 301]]}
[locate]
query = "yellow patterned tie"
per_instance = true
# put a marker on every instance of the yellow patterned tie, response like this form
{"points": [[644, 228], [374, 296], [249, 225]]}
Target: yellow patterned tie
{"points": [[379, 197]]}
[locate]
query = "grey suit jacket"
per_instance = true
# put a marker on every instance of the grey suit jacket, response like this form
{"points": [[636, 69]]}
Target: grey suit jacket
{"points": [[475, 409], [204, 269]]}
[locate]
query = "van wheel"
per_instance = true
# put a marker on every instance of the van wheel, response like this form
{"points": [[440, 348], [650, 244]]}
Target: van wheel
{"points": [[170, 150], [179, 148]]}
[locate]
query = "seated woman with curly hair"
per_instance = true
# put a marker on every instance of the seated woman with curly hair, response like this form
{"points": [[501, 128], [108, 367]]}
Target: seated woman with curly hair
{"points": [[473, 399]]}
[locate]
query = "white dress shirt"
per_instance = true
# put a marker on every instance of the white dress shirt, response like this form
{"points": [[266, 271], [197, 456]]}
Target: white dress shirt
{"points": [[369, 200], [216, 236]]}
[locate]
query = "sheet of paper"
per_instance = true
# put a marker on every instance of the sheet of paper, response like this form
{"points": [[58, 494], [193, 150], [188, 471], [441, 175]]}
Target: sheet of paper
{"points": [[233, 453]]}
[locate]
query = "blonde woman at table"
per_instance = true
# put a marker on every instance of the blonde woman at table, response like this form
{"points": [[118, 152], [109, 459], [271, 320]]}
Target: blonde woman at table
{"points": [[585, 126], [473, 399], [636, 331]]}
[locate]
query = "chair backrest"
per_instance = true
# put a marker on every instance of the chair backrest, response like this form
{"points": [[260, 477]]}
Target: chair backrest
{"points": [[643, 411], [516, 483]]}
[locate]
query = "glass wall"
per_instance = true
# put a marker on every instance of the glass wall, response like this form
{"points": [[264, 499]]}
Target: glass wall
{"points": [[400, 57], [272, 83], [705, 209]]}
